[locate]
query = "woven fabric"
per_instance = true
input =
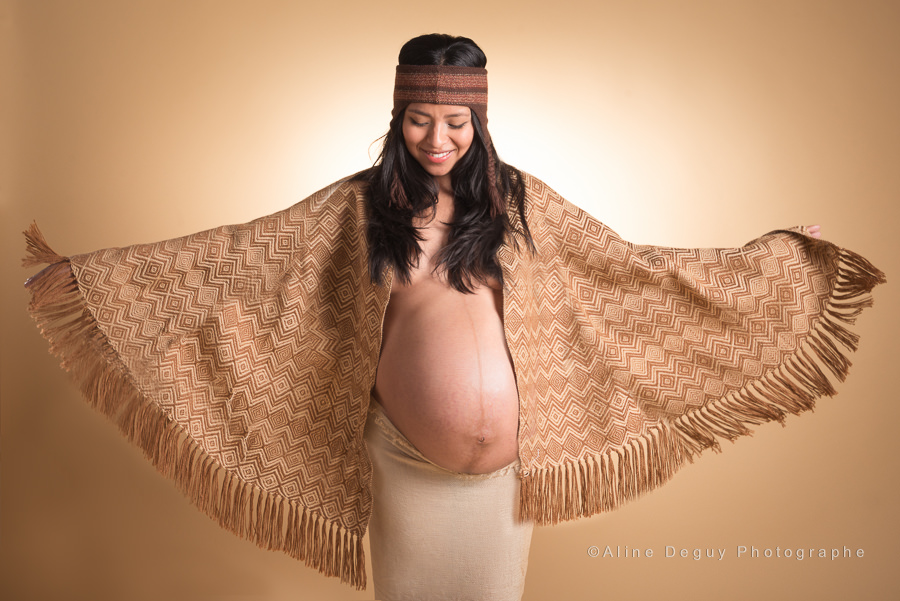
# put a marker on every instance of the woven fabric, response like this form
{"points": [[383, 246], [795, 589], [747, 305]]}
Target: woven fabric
{"points": [[241, 358], [441, 84]]}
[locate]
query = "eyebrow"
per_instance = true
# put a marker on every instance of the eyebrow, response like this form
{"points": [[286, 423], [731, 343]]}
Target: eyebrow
{"points": [[424, 114]]}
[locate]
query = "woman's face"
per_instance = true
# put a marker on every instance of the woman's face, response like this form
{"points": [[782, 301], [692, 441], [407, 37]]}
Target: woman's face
{"points": [[437, 136]]}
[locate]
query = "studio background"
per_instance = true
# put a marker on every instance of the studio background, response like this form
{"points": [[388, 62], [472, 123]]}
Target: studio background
{"points": [[676, 123]]}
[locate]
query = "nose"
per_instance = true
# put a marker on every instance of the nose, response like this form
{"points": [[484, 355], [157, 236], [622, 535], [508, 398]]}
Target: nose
{"points": [[437, 134]]}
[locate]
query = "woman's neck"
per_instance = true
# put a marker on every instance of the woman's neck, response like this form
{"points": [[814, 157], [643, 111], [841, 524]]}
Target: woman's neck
{"points": [[445, 185]]}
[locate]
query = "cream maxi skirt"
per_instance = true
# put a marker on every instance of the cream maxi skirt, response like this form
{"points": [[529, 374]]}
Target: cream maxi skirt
{"points": [[437, 534]]}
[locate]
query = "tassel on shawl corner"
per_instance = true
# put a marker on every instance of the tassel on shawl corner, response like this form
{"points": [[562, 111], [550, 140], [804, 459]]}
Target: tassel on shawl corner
{"points": [[858, 275], [851, 294], [39, 251]]}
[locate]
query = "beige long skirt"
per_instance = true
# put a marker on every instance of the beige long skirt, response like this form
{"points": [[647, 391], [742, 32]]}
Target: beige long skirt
{"points": [[437, 534]]}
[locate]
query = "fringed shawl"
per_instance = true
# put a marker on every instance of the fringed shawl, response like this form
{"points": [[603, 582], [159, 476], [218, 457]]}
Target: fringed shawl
{"points": [[241, 359]]}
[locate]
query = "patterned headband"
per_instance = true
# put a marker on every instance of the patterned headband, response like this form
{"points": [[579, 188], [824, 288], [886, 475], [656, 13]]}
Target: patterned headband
{"points": [[441, 84]]}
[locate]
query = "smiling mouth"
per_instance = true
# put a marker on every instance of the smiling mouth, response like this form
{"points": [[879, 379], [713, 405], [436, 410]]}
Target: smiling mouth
{"points": [[438, 157]]}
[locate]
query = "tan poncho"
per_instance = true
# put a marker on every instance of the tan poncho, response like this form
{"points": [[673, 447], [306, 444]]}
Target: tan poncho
{"points": [[241, 358]]}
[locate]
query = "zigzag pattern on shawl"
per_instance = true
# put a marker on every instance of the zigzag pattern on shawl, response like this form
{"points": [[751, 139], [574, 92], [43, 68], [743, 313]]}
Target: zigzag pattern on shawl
{"points": [[230, 357], [632, 359]]}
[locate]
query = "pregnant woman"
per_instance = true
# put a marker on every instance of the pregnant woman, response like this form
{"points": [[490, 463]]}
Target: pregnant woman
{"points": [[441, 351]]}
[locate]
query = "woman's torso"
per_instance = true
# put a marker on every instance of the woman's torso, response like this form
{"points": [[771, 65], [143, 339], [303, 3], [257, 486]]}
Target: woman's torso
{"points": [[445, 375]]}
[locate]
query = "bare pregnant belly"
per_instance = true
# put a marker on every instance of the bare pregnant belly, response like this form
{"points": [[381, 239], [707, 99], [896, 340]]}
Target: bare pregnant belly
{"points": [[445, 376]]}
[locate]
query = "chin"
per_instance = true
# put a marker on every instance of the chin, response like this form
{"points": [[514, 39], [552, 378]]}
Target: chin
{"points": [[436, 170], [439, 172]]}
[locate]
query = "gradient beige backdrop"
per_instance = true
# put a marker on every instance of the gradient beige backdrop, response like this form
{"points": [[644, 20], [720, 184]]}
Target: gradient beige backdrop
{"points": [[677, 123]]}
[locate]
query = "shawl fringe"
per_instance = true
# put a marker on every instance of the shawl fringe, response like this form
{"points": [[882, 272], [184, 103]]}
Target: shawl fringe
{"points": [[604, 482], [272, 521]]}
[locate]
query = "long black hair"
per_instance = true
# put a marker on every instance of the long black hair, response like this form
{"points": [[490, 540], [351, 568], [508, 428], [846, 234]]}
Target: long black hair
{"points": [[400, 189]]}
